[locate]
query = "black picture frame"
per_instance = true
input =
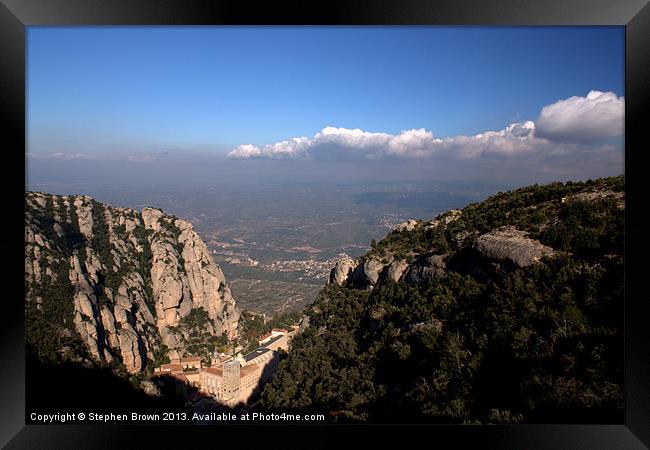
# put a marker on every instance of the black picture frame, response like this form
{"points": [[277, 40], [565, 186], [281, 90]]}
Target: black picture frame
{"points": [[16, 15]]}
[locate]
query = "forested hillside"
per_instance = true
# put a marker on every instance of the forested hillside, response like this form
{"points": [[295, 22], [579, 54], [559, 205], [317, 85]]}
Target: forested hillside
{"points": [[508, 311]]}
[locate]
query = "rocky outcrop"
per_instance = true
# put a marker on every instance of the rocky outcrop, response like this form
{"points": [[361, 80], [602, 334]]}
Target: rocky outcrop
{"points": [[425, 269], [150, 388], [511, 244], [187, 278], [396, 269], [367, 272], [421, 267], [598, 195], [445, 218], [406, 226], [373, 271], [376, 268], [341, 271], [131, 277]]}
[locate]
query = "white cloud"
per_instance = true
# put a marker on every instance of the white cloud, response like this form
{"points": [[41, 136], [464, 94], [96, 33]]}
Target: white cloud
{"points": [[141, 158], [597, 116], [415, 143], [71, 156], [289, 149], [62, 156], [412, 143], [559, 128], [354, 138]]}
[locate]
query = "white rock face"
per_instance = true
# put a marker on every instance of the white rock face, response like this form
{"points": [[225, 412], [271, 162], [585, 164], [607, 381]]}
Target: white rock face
{"points": [[367, 274], [113, 313], [207, 282], [509, 243], [129, 342], [406, 226], [372, 268], [396, 269], [85, 216], [150, 388], [375, 270], [445, 218], [187, 279], [341, 271]]}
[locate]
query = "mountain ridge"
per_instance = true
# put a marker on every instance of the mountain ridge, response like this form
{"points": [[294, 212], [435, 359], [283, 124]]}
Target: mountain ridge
{"points": [[509, 310], [106, 284]]}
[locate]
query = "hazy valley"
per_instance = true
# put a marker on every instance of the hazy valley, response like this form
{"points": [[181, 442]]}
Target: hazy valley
{"points": [[411, 329], [276, 242]]}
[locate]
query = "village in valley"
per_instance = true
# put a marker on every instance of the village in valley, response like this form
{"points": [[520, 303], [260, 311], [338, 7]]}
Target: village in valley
{"points": [[229, 379]]}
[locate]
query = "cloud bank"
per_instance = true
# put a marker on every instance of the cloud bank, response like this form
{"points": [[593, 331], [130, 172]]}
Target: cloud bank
{"points": [[137, 158], [559, 129], [599, 115]]}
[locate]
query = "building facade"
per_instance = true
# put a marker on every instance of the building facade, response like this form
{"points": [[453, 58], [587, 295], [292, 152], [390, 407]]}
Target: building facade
{"points": [[233, 379]]}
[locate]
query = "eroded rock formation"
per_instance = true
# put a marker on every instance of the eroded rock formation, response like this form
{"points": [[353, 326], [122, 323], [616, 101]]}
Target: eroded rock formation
{"points": [[130, 277], [509, 243]]}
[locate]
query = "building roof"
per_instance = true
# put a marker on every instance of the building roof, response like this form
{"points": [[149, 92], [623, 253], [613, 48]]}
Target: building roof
{"points": [[279, 330], [255, 353], [214, 371], [274, 339], [247, 370], [191, 359], [173, 367], [221, 361], [265, 337]]}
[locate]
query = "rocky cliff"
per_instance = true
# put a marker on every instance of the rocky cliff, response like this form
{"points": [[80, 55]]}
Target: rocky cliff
{"points": [[118, 281]]}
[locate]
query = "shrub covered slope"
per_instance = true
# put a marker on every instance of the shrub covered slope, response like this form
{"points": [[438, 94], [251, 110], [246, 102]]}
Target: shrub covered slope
{"points": [[482, 337]]}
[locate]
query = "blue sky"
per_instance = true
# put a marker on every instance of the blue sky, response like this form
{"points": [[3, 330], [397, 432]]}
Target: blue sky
{"points": [[144, 89]]}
